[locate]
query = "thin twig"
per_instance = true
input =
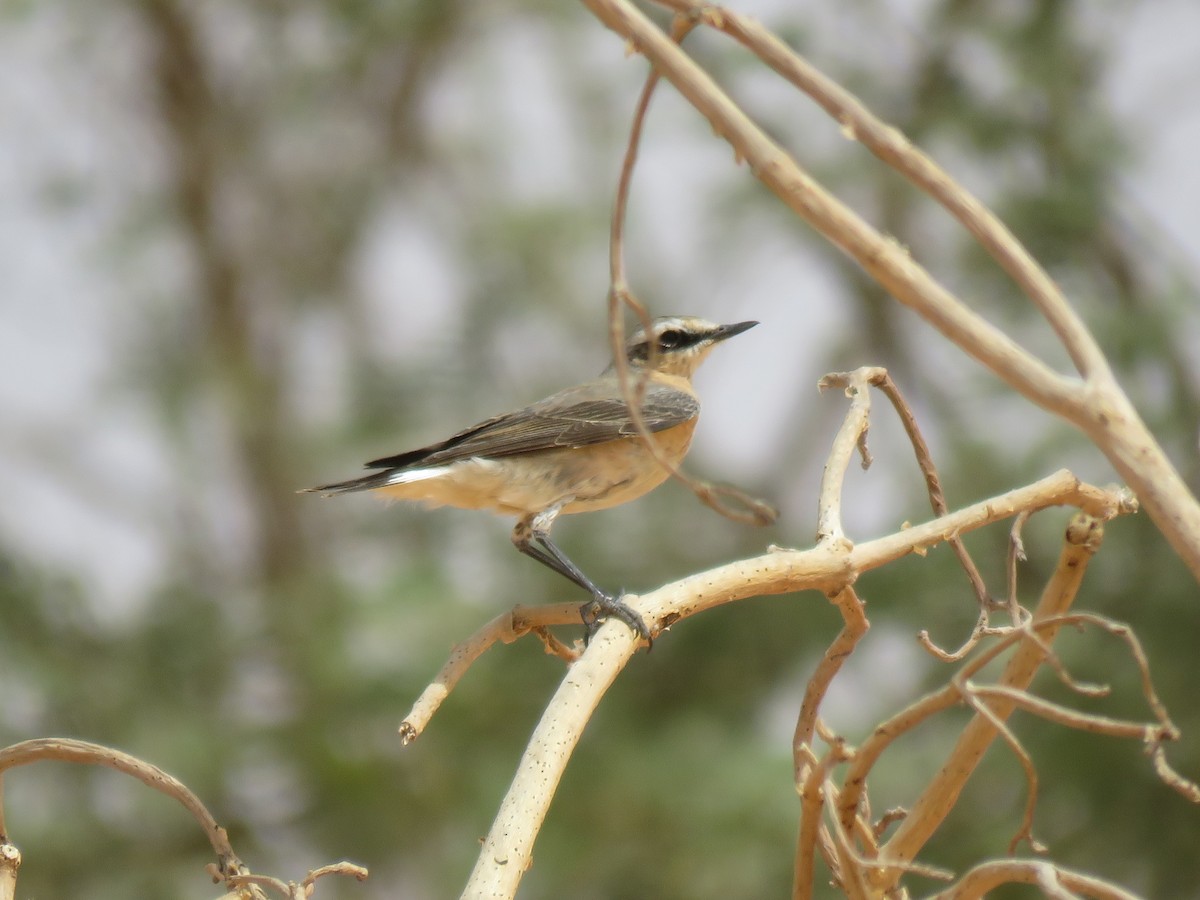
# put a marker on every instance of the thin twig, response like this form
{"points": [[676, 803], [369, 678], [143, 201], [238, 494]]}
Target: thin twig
{"points": [[304, 889], [1080, 721], [1184, 787], [895, 814], [851, 873], [980, 630], [854, 627], [505, 628], [746, 509], [85, 753], [859, 866], [850, 436], [933, 484], [1016, 554], [1025, 829]]}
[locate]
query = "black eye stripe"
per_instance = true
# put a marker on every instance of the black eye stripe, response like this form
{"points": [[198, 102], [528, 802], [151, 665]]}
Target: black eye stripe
{"points": [[669, 340], [672, 340]]}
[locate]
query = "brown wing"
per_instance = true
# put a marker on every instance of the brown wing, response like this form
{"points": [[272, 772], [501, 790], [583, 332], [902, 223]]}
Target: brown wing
{"points": [[576, 418]]}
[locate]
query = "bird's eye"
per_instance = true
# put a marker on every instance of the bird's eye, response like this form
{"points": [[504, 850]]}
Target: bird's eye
{"points": [[671, 340]]}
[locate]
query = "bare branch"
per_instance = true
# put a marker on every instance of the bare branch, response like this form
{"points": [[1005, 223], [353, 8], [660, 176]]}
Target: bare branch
{"points": [[812, 801], [74, 751], [1025, 831], [850, 436], [228, 867], [1189, 790], [1016, 554], [882, 257], [933, 483], [821, 568], [304, 889], [856, 625], [10, 862], [991, 875], [850, 869], [1071, 718], [1081, 541], [505, 628], [978, 632], [890, 145], [1098, 407], [508, 848], [746, 509], [896, 814]]}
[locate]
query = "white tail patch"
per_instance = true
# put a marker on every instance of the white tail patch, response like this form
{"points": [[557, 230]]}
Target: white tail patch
{"points": [[411, 475]]}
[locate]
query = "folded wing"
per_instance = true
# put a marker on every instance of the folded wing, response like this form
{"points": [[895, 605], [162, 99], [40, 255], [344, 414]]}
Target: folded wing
{"points": [[586, 415]]}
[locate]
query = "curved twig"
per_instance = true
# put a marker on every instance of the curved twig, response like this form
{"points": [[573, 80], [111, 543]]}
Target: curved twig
{"points": [[746, 509], [85, 753]]}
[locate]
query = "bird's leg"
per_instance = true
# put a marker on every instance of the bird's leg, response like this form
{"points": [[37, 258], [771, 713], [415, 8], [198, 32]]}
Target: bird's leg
{"points": [[532, 537]]}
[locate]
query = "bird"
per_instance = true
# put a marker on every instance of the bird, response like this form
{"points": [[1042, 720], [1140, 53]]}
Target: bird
{"points": [[576, 451]]}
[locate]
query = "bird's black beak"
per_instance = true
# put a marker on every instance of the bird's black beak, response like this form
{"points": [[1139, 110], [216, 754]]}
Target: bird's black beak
{"points": [[728, 331]]}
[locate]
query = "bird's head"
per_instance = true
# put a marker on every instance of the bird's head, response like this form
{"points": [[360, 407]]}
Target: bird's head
{"points": [[676, 345]]}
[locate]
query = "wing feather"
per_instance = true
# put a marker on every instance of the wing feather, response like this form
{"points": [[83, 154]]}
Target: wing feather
{"points": [[584, 416]]}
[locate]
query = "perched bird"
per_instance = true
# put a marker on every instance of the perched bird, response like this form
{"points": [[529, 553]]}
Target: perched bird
{"points": [[576, 451]]}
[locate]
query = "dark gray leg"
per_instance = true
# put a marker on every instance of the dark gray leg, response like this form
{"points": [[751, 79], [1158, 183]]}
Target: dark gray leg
{"points": [[532, 537]]}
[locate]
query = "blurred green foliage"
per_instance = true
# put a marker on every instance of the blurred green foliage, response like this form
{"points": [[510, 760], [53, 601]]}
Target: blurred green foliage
{"points": [[270, 667]]}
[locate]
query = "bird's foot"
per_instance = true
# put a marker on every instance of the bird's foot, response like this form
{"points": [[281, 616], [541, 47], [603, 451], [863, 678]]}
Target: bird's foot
{"points": [[603, 606]]}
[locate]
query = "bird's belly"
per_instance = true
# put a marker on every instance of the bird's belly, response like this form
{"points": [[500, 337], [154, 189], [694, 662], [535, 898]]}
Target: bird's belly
{"points": [[593, 477], [625, 470]]}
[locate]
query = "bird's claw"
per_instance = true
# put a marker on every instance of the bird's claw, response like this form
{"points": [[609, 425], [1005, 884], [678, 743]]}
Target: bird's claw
{"points": [[603, 606]]}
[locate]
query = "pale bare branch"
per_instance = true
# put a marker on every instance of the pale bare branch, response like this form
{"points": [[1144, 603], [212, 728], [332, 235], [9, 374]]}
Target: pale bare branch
{"points": [[890, 145], [812, 833], [856, 625], [1097, 405], [850, 436], [10, 862], [505, 628], [991, 875], [1081, 541], [83, 752], [882, 257], [507, 849]]}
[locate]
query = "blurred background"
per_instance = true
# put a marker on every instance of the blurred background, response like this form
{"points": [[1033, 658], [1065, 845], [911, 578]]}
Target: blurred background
{"points": [[245, 246]]}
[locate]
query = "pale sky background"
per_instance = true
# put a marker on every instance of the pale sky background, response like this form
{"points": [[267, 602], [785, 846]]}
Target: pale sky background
{"points": [[64, 124]]}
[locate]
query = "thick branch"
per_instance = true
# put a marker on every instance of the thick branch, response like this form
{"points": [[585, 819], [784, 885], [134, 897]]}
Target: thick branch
{"points": [[886, 260], [1098, 406], [891, 146], [508, 848]]}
